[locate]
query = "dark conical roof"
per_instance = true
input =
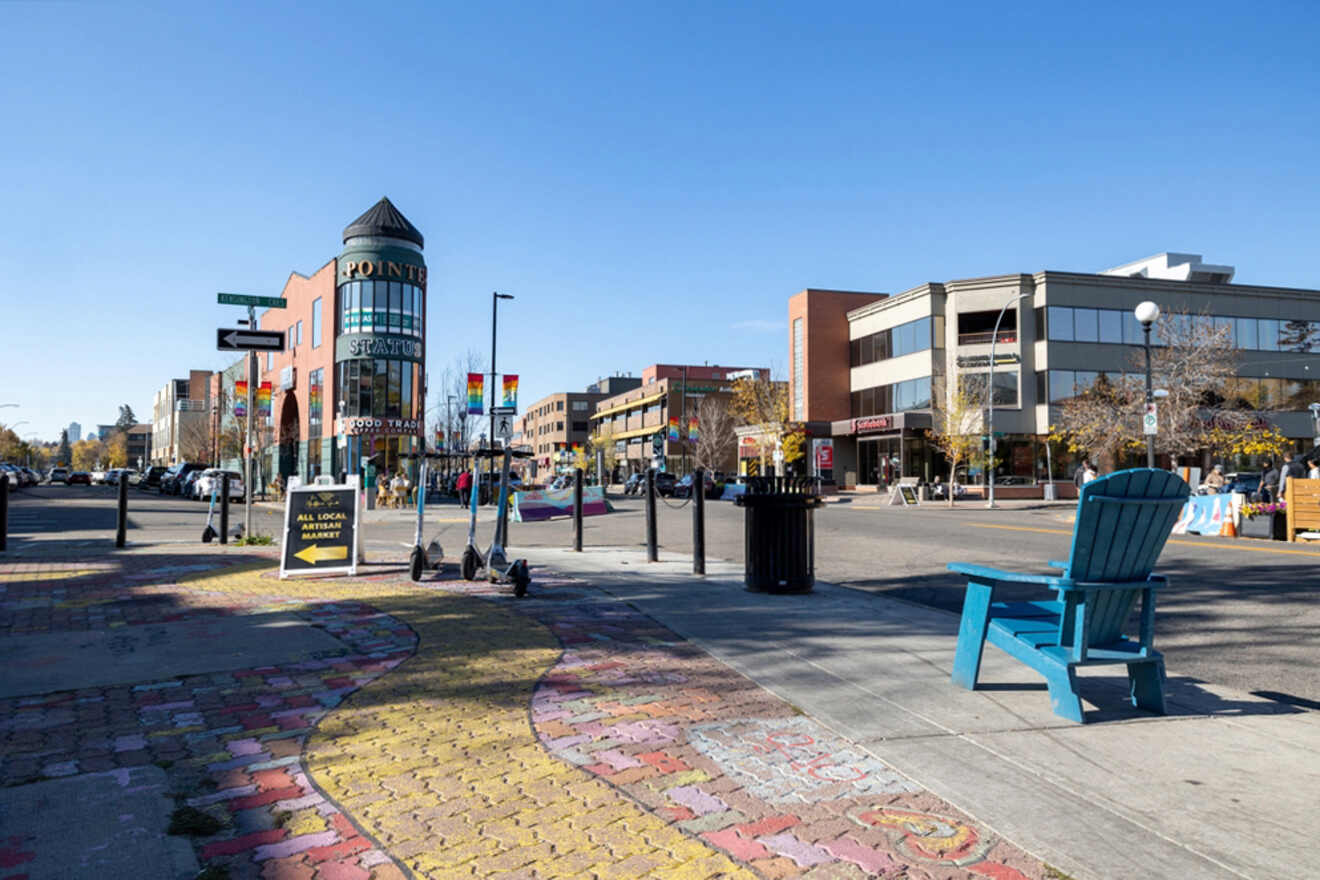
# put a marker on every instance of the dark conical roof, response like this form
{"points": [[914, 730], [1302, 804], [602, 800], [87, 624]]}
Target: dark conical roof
{"points": [[384, 219]]}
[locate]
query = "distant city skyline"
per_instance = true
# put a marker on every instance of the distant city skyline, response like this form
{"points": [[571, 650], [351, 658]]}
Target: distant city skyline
{"points": [[651, 183]]}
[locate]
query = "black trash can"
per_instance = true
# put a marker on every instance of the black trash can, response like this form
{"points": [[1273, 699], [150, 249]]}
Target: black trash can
{"points": [[779, 543]]}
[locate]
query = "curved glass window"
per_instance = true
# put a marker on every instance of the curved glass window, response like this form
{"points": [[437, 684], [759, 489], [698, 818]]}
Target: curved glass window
{"points": [[381, 307], [378, 388]]}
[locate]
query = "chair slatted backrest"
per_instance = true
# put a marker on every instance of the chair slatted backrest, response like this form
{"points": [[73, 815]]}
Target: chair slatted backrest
{"points": [[1123, 522]]}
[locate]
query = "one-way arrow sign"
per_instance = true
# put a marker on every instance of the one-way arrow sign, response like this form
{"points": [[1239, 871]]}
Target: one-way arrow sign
{"points": [[248, 340]]}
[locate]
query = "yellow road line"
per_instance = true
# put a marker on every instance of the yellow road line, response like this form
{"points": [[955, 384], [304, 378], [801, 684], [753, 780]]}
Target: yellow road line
{"points": [[1171, 540]]}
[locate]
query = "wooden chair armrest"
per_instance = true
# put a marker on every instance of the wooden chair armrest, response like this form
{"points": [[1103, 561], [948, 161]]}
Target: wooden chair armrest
{"points": [[986, 573], [1055, 563], [1154, 582]]}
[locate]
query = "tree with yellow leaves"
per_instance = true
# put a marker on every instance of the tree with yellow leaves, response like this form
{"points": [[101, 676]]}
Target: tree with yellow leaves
{"points": [[956, 428]]}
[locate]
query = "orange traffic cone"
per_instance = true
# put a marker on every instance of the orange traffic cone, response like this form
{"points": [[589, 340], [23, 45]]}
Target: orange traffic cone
{"points": [[1228, 530]]}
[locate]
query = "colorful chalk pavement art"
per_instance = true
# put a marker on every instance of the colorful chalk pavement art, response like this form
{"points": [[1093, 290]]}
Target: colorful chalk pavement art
{"points": [[728, 762], [230, 742]]}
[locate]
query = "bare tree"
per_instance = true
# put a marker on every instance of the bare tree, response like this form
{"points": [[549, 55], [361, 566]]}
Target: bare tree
{"points": [[453, 384], [194, 437], [716, 441], [1195, 364]]}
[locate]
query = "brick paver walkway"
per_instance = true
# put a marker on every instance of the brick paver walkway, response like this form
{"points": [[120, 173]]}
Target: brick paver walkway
{"points": [[463, 733]]}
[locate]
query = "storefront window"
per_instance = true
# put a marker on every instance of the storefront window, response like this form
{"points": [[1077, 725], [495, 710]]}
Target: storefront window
{"points": [[405, 392], [392, 393]]}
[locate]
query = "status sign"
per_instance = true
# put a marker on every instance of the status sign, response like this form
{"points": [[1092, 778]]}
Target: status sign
{"points": [[320, 530]]}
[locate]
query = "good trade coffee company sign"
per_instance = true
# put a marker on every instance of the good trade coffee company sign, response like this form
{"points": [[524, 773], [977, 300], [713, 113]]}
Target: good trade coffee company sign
{"points": [[320, 530]]}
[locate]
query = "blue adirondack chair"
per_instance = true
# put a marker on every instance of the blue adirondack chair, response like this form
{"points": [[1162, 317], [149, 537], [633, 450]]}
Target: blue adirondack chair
{"points": [[1123, 520]]}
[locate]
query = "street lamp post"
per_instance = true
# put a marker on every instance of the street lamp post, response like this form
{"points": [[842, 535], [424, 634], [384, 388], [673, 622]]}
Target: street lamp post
{"points": [[1148, 313], [495, 298], [990, 400]]}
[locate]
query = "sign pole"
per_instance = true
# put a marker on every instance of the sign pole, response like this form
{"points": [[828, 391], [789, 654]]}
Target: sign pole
{"points": [[247, 448]]}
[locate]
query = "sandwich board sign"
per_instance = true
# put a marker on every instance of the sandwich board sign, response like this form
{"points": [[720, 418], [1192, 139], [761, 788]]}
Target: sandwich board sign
{"points": [[321, 529]]}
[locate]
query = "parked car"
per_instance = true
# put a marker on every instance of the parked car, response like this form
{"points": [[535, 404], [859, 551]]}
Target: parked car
{"points": [[151, 476], [1246, 482], [98, 476], [20, 476], [37, 479], [665, 483], [14, 481], [171, 480], [209, 481], [186, 483], [683, 488], [58, 475], [112, 476], [79, 477]]}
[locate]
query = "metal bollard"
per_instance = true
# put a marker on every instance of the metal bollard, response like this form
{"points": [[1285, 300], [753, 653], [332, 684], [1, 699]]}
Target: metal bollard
{"points": [[224, 508], [699, 521], [4, 512], [121, 528], [577, 509], [652, 552]]}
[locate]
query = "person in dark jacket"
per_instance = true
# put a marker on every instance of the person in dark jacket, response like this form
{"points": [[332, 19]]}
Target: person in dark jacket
{"points": [[1269, 481], [1079, 475]]}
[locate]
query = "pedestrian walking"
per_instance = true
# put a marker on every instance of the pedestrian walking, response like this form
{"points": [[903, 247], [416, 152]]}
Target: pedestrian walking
{"points": [[1079, 475], [464, 488], [1089, 474], [1290, 469]]}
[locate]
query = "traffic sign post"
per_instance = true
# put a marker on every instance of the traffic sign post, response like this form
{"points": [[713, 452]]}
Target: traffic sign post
{"points": [[237, 339], [243, 299], [1150, 421]]}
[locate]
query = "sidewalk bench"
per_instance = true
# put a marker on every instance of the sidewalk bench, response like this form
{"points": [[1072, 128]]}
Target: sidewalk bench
{"points": [[1123, 521]]}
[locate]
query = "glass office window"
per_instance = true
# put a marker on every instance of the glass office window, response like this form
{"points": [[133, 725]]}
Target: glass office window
{"points": [[316, 322], [368, 295], [1083, 380], [1085, 325], [380, 380], [1132, 334], [381, 312], [1226, 324], [923, 393], [1203, 324], [1060, 322], [406, 392], [1267, 334], [364, 388], [1111, 326], [1006, 388], [1061, 385], [298, 334], [392, 394], [1246, 333]]}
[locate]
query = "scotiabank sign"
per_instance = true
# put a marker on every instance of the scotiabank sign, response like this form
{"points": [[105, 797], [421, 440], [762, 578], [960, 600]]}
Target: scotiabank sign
{"points": [[872, 423], [367, 425]]}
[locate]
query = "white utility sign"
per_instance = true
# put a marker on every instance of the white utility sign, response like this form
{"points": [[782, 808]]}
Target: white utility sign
{"points": [[1150, 421]]}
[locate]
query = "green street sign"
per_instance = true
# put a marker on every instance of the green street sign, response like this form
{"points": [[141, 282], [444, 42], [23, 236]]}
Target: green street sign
{"points": [[242, 299]]}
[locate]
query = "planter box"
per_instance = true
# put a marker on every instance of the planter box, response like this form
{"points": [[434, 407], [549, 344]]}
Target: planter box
{"points": [[1270, 526]]}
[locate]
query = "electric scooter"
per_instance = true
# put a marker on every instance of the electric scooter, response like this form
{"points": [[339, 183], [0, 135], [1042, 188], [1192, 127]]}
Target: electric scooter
{"points": [[496, 567], [431, 555]]}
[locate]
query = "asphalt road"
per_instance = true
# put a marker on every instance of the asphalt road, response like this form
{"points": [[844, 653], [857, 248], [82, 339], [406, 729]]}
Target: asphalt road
{"points": [[1241, 613]]}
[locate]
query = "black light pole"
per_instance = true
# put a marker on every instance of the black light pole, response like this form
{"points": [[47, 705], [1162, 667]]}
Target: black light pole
{"points": [[1148, 313], [495, 298]]}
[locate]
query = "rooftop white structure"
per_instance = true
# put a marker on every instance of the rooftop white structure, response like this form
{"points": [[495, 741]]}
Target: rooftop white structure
{"points": [[1174, 267]]}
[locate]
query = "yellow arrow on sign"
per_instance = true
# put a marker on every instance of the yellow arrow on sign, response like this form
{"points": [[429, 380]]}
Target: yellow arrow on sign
{"points": [[315, 554]]}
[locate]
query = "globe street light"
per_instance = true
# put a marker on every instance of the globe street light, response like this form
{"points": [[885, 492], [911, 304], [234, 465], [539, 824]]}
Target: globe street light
{"points": [[990, 399], [1148, 313]]}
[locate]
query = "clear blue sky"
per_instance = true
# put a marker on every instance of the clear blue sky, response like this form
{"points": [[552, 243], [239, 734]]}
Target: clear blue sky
{"points": [[652, 181]]}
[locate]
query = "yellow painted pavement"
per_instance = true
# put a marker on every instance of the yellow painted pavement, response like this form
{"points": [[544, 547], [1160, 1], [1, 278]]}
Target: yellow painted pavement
{"points": [[437, 759]]}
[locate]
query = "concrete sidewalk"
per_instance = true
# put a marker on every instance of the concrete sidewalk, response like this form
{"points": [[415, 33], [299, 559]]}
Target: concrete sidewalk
{"points": [[1225, 785]]}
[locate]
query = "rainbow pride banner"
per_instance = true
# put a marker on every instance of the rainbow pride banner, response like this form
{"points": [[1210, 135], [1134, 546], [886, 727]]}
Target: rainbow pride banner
{"points": [[476, 390], [240, 399], [510, 390], [693, 433], [263, 400], [439, 440], [673, 428]]}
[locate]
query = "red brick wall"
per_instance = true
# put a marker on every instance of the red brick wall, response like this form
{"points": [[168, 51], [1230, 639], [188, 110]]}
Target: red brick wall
{"points": [[300, 292], [824, 350]]}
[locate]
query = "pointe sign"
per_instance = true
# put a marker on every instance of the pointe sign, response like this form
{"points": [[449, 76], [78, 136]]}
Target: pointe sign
{"points": [[321, 530]]}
